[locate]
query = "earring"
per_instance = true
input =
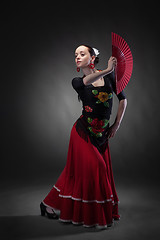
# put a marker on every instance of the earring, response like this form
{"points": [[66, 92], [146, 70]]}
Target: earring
{"points": [[78, 69], [91, 65]]}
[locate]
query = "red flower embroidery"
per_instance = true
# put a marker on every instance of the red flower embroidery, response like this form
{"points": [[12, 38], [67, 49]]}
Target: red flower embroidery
{"points": [[88, 109], [97, 125]]}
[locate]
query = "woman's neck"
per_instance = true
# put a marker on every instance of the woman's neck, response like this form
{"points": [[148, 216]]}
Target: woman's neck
{"points": [[87, 71]]}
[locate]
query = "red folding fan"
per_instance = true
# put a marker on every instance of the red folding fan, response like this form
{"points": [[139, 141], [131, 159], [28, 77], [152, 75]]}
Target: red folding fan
{"points": [[123, 70]]}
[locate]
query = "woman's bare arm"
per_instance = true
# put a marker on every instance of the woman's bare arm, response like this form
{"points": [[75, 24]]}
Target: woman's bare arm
{"points": [[120, 113], [95, 76]]}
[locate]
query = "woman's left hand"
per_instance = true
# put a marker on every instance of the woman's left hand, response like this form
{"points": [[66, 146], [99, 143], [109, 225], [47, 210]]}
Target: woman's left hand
{"points": [[112, 130]]}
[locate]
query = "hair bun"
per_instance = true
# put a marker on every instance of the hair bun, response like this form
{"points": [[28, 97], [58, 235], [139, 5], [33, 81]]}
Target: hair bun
{"points": [[96, 61]]}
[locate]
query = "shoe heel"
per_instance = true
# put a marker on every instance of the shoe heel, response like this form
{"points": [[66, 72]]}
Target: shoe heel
{"points": [[42, 207]]}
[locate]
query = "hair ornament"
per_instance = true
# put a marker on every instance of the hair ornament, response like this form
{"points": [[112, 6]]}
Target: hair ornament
{"points": [[96, 51]]}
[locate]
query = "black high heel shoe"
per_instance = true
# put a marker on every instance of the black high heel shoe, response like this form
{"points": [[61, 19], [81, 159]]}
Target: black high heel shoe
{"points": [[44, 211]]}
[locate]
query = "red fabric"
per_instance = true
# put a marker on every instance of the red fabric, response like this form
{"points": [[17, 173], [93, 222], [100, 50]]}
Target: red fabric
{"points": [[85, 191], [122, 52]]}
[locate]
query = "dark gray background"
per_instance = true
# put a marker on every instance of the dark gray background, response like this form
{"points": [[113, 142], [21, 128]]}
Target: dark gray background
{"points": [[39, 105]]}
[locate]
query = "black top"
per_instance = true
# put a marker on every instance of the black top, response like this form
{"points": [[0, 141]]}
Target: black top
{"points": [[97, 101], [97, 108]]}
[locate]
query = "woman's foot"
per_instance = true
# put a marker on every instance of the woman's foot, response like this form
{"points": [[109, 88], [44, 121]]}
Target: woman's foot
{"points": [[49, 211], [116, 217]]}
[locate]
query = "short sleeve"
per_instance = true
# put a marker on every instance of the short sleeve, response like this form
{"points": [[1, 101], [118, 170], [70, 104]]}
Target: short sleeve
{"points": [[121, 95], [78, 84]]}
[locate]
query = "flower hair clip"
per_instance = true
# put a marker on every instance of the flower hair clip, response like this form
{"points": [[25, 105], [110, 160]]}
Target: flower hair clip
{"points": [[96, 51]]}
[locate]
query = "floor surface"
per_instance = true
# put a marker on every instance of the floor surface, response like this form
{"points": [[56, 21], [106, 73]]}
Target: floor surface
{"points": [[20, 216]]}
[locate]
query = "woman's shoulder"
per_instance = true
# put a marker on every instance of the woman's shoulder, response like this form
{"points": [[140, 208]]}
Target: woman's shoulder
{"points": [[77, 82], [112, 80], [110, 76]]}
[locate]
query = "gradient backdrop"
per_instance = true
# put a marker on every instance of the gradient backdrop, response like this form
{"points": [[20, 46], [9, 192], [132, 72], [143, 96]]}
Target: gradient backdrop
{"points": [[39, 105]]}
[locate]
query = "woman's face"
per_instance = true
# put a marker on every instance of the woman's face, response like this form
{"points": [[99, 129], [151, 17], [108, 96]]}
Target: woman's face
{"points": [[83, 57]]}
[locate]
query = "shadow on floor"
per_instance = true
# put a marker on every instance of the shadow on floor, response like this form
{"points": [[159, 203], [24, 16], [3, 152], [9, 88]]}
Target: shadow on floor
{"points": [[20, 218], [26, 227]]}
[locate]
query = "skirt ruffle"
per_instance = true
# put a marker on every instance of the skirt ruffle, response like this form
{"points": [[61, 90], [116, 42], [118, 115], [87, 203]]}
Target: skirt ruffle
{"points": [[85, 191]]}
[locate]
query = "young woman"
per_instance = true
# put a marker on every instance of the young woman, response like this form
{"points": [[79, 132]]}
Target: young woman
{"points": [[85, 191]]}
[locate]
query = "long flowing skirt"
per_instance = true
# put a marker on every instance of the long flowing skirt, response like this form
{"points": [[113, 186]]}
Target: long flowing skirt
{"points": [[85, 191]]}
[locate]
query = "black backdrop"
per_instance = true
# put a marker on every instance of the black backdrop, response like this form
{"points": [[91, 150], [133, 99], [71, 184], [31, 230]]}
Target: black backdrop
{"points": [[39, 105]]}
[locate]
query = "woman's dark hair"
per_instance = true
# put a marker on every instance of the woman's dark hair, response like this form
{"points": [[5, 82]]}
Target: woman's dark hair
{"points": [[91, 51], [96, 61]]}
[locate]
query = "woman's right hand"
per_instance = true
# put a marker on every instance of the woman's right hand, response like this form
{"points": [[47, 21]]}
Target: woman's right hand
{"points": [[112, 62], [90, 78]]}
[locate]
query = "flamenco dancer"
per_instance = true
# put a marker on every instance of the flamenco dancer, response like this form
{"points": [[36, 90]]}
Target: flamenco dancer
{"points": [[85, 191]]}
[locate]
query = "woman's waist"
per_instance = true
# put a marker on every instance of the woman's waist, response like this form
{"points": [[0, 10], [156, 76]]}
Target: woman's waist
{"points": [[99, 115], [94, 125]]}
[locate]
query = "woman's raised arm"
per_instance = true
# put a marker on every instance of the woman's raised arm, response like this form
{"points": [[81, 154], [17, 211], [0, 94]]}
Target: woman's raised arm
{"points": [[96, 75]]}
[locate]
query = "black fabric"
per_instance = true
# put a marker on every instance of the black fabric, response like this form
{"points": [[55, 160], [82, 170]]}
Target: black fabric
{"points": [[121, 95], [82, 129], [78, 85], [97, 107]]}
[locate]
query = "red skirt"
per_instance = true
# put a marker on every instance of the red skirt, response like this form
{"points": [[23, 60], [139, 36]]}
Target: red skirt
{"points": [[85, 191]]}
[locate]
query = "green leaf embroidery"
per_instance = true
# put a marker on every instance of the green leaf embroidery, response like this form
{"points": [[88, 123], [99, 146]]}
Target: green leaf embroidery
{"points": [[105, 123], [110, 96], [90, 128], [98, 101], [95, 92], [99, 135], [90, 120], [106, 104]]}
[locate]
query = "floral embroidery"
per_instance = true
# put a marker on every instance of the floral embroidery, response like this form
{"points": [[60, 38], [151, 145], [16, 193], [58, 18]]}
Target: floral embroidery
{"points": [[95, 92], [103, 97], [88, 109], [97, 126]]}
